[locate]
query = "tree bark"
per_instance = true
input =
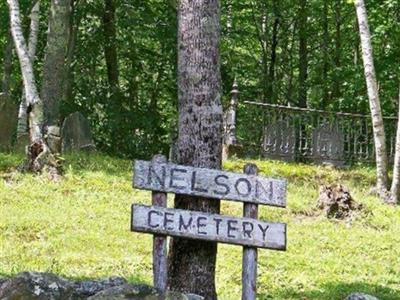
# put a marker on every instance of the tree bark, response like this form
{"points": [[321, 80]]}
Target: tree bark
{"points": [[192, 263], [374, 102], [395, 188], [22, 127], [52, 91], [303, 54]]}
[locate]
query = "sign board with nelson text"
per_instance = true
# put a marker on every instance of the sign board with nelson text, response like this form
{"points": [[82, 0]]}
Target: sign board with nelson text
{"points": [[211, 183]]}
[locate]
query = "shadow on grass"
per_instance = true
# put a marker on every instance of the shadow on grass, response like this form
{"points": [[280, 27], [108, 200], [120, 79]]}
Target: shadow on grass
{"points": [[336, 291]]}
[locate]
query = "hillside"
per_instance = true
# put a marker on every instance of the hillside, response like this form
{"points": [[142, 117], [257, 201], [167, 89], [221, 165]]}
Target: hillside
{"points": [[80, 228]]}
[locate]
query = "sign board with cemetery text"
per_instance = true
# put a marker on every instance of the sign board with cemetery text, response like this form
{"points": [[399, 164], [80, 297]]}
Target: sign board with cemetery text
{"points": [[211, 183], [210, 227]]}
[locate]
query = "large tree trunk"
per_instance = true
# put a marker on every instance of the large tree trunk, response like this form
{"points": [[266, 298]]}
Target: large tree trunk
{"points": [[52, 91], [374, 102], [22, 127], [192, 263], [395, 188], [303, 54]]}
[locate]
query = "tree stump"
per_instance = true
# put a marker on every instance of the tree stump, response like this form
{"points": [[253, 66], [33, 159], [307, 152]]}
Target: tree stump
{"points": [[337, 202]]}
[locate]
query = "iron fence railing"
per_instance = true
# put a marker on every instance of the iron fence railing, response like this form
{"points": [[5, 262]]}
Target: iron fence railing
{"points": [[292, 133]]}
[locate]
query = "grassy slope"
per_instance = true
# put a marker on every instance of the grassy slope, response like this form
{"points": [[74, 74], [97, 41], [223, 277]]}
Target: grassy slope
{"points": [[80, 228]]}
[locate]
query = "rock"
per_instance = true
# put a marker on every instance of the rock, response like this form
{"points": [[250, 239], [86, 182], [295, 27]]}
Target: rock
{"points": [[38, 286], [140, 292], [90, 287], [360, 296], [46, 286], [127, 291], [337, 201], [76, 133]]}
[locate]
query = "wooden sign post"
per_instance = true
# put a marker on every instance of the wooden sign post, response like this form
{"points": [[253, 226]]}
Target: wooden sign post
{"points": [[161, 177], [249, 258], [160, 263]]}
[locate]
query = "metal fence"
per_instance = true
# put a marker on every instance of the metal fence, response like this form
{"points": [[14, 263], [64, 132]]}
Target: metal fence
{"points": [[292, 133]]}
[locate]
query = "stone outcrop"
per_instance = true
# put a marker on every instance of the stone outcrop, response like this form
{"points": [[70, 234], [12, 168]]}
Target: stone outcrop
{"points": [[47, 286], [360, 296]]}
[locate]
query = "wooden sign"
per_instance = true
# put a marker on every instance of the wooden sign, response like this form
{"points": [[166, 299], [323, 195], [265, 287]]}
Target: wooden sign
{"points": [[161, 177], [172, 178], [211, 227]]}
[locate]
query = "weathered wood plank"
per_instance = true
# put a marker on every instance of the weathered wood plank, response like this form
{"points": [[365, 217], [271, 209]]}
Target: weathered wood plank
{"points": [[211, 227], [210, 183], [249, 258], [160, 261]]}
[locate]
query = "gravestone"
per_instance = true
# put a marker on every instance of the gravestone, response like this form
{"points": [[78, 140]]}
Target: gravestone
{"points": [[8, 122], [328, 145], [76, 133], [279, 141], [21, 143]]}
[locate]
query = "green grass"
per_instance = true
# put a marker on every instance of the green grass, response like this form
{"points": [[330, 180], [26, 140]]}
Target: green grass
{"points": [[79, 228]]}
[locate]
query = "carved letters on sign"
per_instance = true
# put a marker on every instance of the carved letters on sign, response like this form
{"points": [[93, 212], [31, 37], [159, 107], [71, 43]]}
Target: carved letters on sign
{"points": [[211, 183], [197, 225]]}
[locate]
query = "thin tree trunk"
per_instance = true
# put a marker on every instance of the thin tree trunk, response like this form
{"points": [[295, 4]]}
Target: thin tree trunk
{"points": [[110, 45], [336, 92], [395, 188], [39, 154], [31, 92], [54, 69], [22, 127], [325, 53], [356, 46], [274, 45], [192, 262], [5, 83], [303, 54], [7, 106], [264, 44], [374, 102], [291, 50]]}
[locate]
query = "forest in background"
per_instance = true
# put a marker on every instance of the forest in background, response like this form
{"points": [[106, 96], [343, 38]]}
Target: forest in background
{"points": [[121, 68]]}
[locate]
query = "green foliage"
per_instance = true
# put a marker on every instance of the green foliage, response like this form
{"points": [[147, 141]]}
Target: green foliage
{"points": [[140, 119], [79, 228]]}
